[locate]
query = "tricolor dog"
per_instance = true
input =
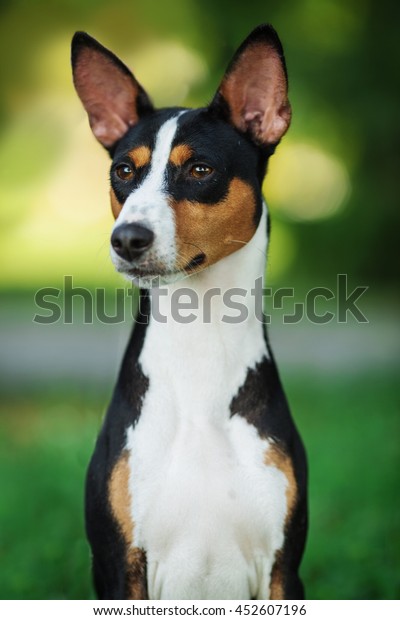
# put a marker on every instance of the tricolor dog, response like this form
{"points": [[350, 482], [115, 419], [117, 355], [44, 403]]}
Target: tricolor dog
{"points": [[197, 486]]}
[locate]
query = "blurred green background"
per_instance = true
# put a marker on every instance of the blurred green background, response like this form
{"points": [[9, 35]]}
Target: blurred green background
{"points": [[333, 194]]}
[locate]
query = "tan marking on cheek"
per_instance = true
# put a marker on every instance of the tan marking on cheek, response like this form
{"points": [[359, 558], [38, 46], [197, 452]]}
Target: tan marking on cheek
{"points": [[116, 206], [120, 500], [141, 156], [180, 154], [218, 229]]}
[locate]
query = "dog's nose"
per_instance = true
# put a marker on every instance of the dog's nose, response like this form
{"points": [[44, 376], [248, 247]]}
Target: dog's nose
{"points": [[131, 240]]}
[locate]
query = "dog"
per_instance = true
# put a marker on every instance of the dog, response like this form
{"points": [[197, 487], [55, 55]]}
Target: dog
{"points": [[197, 488]]}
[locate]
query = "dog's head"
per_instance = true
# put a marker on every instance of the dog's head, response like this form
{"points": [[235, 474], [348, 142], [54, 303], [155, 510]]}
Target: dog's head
{"points": [[185, 184]]}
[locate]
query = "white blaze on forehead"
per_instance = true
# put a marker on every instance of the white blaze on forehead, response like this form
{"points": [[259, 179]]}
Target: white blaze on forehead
{"points": [[148, 204]]}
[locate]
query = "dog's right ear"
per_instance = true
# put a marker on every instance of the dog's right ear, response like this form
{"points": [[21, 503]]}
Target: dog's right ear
{"points": [[112, 97], [253, 93]]}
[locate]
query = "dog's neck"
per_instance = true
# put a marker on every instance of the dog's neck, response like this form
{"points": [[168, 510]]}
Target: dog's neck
{"points": [[203, 363]]}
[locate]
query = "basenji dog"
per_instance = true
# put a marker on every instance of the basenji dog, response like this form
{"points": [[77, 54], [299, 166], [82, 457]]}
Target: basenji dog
{"points": [[197, 485]]}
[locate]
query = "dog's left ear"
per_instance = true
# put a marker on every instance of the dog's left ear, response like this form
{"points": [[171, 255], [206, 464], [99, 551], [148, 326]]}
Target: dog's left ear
{"points": [[111, 95], [253, 92]]}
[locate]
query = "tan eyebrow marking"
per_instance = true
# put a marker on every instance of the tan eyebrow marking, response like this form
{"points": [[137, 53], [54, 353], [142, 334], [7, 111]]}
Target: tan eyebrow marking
{"points": [[180, 154], [140, 156]]}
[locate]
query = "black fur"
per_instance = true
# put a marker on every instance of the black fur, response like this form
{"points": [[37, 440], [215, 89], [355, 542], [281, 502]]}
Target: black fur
{"points": [[108, 548]]}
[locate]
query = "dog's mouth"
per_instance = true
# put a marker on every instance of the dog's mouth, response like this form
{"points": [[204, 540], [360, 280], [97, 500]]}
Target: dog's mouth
{"points": [[152, 272], [198, 260]]}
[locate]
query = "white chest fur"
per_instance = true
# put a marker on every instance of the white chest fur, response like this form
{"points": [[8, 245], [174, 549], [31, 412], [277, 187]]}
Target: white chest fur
{"points": [[206, 507]]}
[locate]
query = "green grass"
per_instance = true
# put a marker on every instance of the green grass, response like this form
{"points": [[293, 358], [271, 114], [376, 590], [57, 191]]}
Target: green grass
{"points": [[46, 444], [351, 430]]}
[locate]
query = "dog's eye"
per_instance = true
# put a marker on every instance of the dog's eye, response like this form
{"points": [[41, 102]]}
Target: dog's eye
{"points": [[124, 172], [200, 171]]}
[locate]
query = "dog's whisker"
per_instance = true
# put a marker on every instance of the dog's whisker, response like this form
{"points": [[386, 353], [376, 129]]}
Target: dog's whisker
{"points": [[237, 241], [263, 252]]}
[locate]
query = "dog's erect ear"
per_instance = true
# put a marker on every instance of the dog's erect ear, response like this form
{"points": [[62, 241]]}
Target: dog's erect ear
{"points": [[253, 92], [110, 94]]}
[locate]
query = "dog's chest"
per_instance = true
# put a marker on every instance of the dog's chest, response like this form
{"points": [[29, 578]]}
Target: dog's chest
{"points": [[205, 506]]}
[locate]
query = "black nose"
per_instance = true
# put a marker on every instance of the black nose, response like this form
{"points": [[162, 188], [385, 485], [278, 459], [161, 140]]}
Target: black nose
{"points": [[131, 240]]}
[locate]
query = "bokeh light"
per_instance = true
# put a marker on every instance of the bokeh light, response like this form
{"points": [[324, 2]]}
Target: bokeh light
{"points": [[306, 183]]}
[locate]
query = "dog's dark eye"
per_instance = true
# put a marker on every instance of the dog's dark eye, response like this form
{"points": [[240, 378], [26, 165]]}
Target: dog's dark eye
{"points": [[200, 171], [124, 172]]}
